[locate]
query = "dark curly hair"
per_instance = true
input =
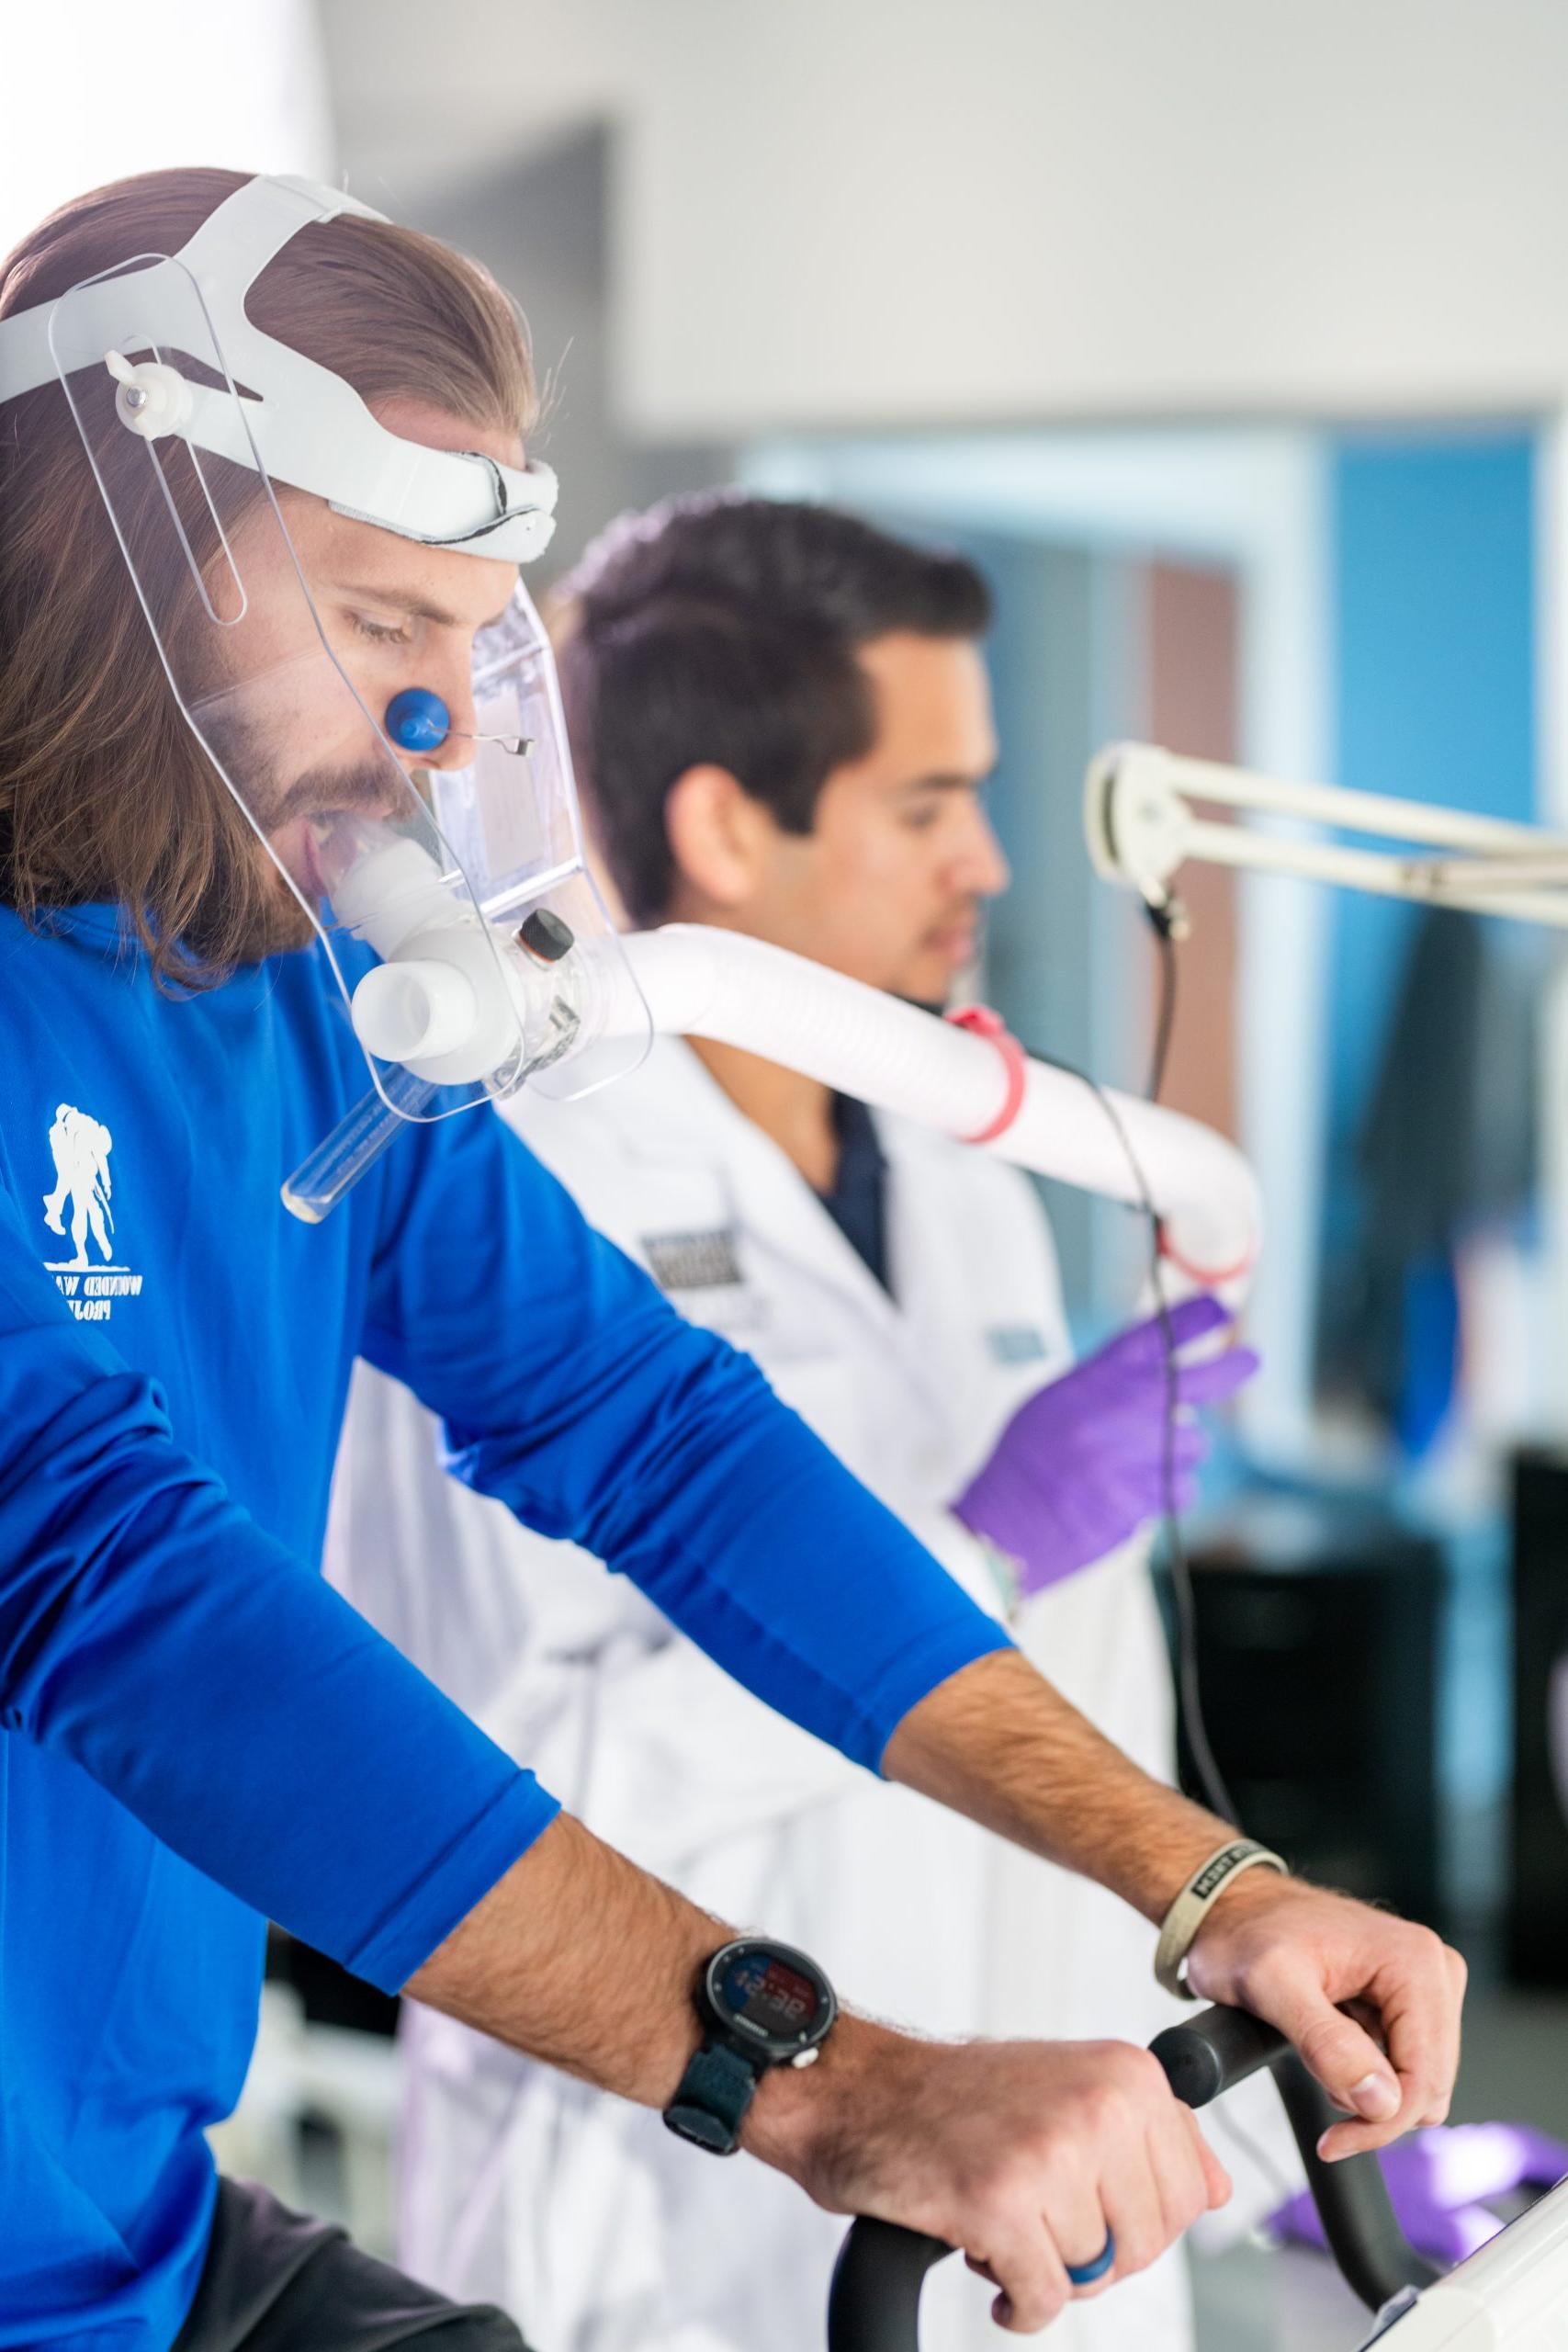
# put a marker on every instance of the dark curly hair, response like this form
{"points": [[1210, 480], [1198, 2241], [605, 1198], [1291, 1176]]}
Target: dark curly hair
{"points": [[723, 628]]}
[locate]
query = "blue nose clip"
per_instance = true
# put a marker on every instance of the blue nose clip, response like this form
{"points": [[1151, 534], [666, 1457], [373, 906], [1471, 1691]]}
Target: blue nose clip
{"points": [[418, 720]]}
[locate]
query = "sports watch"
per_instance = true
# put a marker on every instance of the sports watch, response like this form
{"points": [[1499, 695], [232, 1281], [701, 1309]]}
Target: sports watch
{"points": [[761, 2005]]}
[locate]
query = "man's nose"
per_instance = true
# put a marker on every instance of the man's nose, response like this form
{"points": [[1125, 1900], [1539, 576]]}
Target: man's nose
{"points": [[980, 865]]}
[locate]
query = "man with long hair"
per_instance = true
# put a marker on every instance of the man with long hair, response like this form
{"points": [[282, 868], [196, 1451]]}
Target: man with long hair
{"points": [[198, 1734]]}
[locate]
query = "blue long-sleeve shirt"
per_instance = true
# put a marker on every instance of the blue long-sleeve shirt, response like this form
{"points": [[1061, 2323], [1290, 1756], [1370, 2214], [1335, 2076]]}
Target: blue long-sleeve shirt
{"points": [[196, 1732]]}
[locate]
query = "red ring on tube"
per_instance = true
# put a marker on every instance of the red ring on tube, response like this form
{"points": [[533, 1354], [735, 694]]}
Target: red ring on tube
{"points": [[1206, 1277], [982, 1022]]}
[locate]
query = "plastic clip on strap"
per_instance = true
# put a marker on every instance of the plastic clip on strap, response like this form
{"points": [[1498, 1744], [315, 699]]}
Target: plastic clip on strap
{"points": [[983, 1023], [1179, 1930]]}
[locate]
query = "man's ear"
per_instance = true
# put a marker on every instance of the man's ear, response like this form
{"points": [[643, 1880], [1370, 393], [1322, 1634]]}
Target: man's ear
{"points": [[718, 834]]}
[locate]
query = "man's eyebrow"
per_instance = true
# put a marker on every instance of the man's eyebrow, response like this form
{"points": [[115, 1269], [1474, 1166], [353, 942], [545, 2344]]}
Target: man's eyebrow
{"points": [[950, 782], [418, 607]]}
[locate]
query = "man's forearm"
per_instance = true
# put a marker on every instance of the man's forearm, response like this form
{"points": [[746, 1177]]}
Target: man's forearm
{"points": [[582, 1960], [1028, 2156], [998, 1742]]}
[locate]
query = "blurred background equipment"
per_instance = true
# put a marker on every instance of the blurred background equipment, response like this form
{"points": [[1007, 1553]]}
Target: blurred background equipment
{"points": [[1319, 1627], [1537, 1877]]}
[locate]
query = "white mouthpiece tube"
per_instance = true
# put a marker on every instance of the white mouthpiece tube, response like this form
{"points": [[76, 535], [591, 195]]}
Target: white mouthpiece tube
{"points": [[404, 1011], [707, 983]]}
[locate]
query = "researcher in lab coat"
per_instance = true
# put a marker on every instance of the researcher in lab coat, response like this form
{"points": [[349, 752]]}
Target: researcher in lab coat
{"points": [[784, 723]]}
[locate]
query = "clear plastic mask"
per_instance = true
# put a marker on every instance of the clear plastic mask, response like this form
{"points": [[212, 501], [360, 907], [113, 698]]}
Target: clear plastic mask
{"points": [[462, 887]]}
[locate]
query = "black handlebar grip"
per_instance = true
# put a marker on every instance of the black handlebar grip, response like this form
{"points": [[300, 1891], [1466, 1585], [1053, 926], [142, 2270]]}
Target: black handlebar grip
{"points": [[875, 2303], [876, 2300], [1208, 2055], [1374, 2256]]}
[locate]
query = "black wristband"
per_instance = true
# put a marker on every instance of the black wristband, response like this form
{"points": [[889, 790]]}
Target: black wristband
{"points": [[715, 2092]]}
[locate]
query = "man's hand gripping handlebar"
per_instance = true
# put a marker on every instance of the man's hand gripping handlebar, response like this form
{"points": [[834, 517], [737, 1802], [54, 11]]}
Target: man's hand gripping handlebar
{"points": [[876, 2300]]}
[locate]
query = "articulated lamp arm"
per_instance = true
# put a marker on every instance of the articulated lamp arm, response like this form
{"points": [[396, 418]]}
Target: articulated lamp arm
{"points": [[1141, 818]]}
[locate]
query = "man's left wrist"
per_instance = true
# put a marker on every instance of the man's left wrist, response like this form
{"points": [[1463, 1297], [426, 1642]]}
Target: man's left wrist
{"points": [[763, 2007], [797, 2114], [1221, 1873]]}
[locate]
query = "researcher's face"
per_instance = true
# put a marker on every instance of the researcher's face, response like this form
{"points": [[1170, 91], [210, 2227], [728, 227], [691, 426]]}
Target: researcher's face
{"points": [[889, 884], [395, 614]]}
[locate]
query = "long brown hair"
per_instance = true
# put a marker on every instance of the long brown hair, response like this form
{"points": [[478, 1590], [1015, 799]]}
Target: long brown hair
{"points": [[105, 793]]}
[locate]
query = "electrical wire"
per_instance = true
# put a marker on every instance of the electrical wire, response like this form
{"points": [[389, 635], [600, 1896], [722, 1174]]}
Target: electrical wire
{"points": [[1188, 1697], [1164, 930], [1190, 1704]]}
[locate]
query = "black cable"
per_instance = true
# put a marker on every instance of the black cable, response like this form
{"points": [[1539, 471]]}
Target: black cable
{"points": [[1165, 1015], [1190, 1704], [1188, 1699]]}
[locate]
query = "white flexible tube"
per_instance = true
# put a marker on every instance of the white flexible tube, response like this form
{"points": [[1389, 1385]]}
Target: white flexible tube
{"points": [[707, 983]]}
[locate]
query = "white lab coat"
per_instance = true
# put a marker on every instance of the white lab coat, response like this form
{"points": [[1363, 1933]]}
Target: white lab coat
{"points": [[599, 2230]]}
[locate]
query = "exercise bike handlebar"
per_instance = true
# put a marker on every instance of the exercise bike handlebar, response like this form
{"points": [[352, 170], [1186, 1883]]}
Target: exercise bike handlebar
{"points": [[875, 2305]]}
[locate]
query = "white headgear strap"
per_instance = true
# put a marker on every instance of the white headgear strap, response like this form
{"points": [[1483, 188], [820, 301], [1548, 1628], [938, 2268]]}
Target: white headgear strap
{"points": [[308, 427]]}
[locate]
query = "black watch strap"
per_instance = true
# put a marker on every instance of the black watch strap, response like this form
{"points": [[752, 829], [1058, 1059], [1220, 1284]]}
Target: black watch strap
{"points": [[715, 2092]]}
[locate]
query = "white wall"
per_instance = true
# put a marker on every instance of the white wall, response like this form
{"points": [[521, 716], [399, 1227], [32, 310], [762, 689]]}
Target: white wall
{"points": [[846, 211], [94, 90]]}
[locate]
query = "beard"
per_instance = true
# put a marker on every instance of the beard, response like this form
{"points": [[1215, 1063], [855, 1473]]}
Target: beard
{"points": [[267, 886], [272, 797], [268, 878], [371, 789]]}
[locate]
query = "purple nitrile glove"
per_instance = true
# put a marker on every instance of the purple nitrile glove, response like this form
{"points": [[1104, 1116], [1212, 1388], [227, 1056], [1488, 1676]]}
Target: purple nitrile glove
{"points": [[1081, 1466], [1439, 2181]]}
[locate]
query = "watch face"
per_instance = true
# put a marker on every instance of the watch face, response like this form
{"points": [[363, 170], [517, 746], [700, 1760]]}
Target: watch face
{"points": [[771, 1994]]}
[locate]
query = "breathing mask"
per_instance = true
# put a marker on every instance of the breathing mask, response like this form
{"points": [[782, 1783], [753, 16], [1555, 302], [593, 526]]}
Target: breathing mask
{"points": [[428, 828]]}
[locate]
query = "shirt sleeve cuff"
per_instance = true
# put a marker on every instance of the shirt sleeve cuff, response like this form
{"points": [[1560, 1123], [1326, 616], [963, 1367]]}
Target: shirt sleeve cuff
{"points": [[474, 1863], [916, 1675]]}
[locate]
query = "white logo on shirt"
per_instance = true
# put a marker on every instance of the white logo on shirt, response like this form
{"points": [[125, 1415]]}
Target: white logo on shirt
{"points": [[78, 1209]]}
